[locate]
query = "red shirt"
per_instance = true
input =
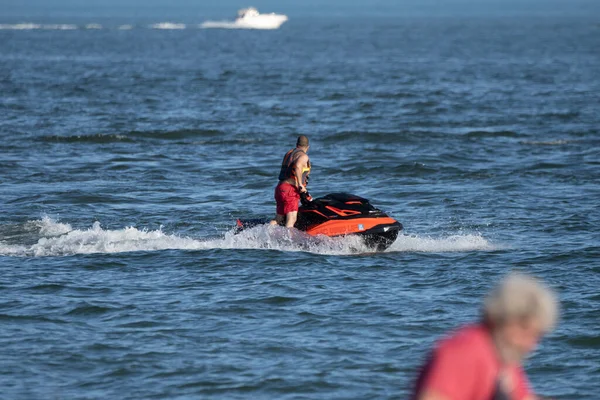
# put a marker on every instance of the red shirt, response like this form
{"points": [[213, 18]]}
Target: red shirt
{"points": [[465, 366]]}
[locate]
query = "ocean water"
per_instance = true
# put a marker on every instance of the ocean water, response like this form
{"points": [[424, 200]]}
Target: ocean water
{"points": [[129, 148]]}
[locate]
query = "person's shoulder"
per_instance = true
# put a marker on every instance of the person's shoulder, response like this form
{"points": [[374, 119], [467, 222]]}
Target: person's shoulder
{"points": [[467, 339]]}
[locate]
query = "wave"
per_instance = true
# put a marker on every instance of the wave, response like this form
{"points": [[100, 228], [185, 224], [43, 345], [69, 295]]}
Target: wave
{"points": [[133, 136], [562, 115], [367, 136], [544, 166], [219, 24], [557, 142], [591, 142], [30, 26], [59, 239], [263, 25], [492, 134], [415, 169], [48, 227], [60, 27], [177, 134], [338, 96], [97, 138], [383, 137], [395, 95], [452, 243], [159, 25], [167, 25], [23, 26]]}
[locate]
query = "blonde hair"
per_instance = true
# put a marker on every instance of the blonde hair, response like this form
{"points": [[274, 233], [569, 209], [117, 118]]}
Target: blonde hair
{"points": [[519, 296]]}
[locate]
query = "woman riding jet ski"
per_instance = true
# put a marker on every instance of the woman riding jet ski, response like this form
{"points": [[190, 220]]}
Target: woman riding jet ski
{"points": [[339, 214]]}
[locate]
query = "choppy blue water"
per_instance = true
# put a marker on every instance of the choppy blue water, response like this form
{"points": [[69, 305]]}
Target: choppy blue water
{"points": [[127, 154]]}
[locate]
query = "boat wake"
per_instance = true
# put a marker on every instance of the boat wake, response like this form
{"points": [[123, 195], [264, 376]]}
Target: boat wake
{"points": [[167, 26], [220, 24], [31, 26], [59, 239]]}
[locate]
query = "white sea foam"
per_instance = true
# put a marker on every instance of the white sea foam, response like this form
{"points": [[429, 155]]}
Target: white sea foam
{"points": [[93, 26], [24, 26], [557, 142], [47, 227], [238, 25], [219, 24], [13, 250], [29, 26], [167, 25], [60, 27], [59, 239], [452, 243]]}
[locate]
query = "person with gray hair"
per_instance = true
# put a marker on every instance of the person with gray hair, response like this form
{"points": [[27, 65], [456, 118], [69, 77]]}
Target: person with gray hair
{"points": [[484, 361]]}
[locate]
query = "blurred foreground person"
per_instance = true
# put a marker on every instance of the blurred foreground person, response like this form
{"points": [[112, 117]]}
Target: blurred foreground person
{"points": [[484, 361]]}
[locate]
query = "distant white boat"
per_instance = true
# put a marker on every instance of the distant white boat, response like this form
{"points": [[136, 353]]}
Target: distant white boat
{"points": [[249, 18]]}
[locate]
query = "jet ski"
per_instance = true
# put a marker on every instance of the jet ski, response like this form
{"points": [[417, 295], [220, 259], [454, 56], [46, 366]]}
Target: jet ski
{"points": [[339, 214]]}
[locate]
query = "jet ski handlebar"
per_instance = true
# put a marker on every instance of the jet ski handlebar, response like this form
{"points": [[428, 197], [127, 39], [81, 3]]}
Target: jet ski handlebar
{"points": [[305, 198]]}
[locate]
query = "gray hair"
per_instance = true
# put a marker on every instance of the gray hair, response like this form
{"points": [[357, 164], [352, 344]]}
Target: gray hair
{"points": [[519, 296]]}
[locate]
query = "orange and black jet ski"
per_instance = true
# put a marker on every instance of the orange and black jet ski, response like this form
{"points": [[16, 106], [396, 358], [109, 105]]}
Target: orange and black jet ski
{"points": [[339, 214]]}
